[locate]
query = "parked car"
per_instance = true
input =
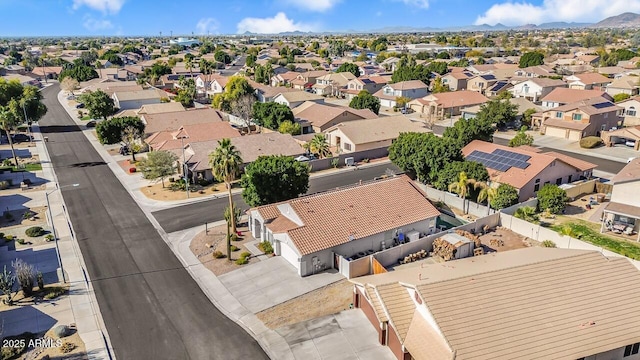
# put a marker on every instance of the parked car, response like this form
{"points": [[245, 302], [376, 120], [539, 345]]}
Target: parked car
{"points": [[630, 143], [18, 138], [80, 106], [302, 158], [91, 124]]}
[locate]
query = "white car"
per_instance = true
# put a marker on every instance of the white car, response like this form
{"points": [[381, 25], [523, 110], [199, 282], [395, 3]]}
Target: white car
{"points": [[302, 158]]}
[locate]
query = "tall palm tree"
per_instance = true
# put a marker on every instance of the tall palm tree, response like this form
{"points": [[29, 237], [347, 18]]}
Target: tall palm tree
{"points": [[319, 145], [7, 123], [225, 163], [461, 187], [486, 193]]}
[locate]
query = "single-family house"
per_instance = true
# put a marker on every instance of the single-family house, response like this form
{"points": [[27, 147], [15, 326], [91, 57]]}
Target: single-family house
{"points": [[478, 69], [580, 119], [390, 63], [218, 84], [366, 134], [318, 117], [331, 84], [294, 98], [447, 103], [49, 72], [250, 146], [628, 136], [124, 100], [369, 83], [521, 103], [310, 232], [498, 88], [624, 85], [631, 111], [532, 303], [266, 93], [622, 213], [284, 79], [160, 108], [192, 133], [610, 71], [587, 81], [535, 71], [525, 170], [480, 83], [535, 89], [563, 96], [304, 81], [456, 80], [412, 89], [171, 121]]}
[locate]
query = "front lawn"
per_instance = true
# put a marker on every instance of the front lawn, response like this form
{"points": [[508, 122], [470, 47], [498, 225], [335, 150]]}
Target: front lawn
{"points": [[23, 167]]}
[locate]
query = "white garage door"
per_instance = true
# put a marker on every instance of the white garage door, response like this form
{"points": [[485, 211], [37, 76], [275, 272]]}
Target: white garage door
{"points": [[556, 132], [289, 254], [575, 135]]}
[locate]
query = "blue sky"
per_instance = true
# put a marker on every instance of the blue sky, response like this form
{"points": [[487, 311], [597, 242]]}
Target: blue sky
{"points": [[144, 17]]}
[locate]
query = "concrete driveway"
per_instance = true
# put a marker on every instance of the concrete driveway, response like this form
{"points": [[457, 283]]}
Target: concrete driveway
{"points": [[267, 283], [345, 335]]}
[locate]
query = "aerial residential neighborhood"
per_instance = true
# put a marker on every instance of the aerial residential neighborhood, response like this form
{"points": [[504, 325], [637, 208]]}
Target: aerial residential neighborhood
{"points": [[319, 180]]}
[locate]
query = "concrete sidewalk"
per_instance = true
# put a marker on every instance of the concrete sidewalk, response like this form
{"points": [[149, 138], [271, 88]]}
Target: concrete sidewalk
{"points": [[79, 306]]}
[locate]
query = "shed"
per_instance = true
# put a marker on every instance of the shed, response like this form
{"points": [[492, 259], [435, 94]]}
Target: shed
{"points": [[464, 246]]}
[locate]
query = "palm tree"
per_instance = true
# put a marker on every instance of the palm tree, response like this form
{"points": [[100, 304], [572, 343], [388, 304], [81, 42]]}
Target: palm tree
{"points": [[486, 193], [526, 213], [461, 187], [225, 163], [318, 145], [7, 122]]}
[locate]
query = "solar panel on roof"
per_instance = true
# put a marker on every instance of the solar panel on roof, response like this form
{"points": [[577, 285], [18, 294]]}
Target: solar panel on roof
{"points": [[602, 105]]}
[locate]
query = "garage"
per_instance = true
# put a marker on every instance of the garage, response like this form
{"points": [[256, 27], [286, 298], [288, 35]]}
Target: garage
{"points": [[556, 132], [625, 137], [289, 254], [575, 135]]}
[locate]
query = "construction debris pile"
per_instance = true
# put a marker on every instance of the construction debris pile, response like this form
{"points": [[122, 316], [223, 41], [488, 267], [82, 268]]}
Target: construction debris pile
{"points": [[414, 257]]}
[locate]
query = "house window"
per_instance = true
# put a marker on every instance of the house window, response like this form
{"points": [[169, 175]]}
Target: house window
{"points": [[558, 181], [536, 187], [525, 88], [347, 146], [537, 181], [631, 111], [577, 117], [569, 178], [631, 349], [606, 115], [559, 114]]}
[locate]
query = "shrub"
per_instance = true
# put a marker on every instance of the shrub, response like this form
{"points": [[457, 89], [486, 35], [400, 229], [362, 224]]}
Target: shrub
{"points": [[20, 241], [590, 142], [203, 182], [234, 237], [234, 248], [218, 254], [242, 261], [366, 161], [335, 162], [265, 247], [1, 235], [25, 274], [552, 198], [245, 254], [4, 185], [67, 347], [34, 231], [28, 214], [8, 238], [548, 243], [49, 237], [13, 352], [54, 291], [40, 280]]}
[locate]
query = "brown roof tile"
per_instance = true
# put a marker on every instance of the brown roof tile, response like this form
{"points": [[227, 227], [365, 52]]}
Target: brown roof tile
{"points": [[398, 305], [567, 96], [424, 342], [174, 120], [631, 172]]}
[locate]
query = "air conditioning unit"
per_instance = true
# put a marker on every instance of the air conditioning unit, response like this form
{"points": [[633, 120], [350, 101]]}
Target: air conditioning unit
{"points": [[412, 236], [349, 161]]}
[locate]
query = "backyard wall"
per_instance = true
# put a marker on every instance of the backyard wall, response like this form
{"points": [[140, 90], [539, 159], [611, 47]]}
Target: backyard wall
{"points": [[453, 200], [323, 164], [512, 209], [586, 187]]}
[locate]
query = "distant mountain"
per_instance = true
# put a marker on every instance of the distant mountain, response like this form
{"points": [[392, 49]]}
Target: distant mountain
{"points": [[620, 21]]}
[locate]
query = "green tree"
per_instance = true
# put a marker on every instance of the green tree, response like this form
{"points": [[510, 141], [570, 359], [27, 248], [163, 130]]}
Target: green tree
{"points": [[99, 104], [186, 91], [225, 162], [158, 165], [271, 114], [526, 213], [222, 57], [506, 195], [79, 71], [349, 67], [521, 138], [531, 59], [423, 154], [110, 131], [364, 100], [237, 86], [487, 193], [620, 97], [450, 172], [8, 122], [251, 60], [465, 131], [499, 112], [274, 178], [291, 128], [527, 117], [505, 95], [439, 87], [319, 146], [553, 198], [131, 136], [461, 187]]}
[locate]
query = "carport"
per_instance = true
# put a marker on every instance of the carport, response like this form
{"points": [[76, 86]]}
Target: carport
{"points": [[610, 138]]}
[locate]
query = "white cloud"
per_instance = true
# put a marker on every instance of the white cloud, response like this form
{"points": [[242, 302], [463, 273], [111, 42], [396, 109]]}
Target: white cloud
{"points": [[106, 6], [313, 5], [277, 24], [519, 13], [92, 24], [207, 25], [423, 4]]}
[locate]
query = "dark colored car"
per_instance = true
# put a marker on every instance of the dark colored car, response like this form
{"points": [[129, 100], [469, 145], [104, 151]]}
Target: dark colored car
{"points": [[91, 124], [18, 138], [80, 106]]}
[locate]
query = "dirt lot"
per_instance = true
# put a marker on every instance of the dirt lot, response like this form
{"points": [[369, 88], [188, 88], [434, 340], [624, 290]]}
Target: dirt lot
{"points": [[505, 240], [156, 192], [328, 300], [216, 239]]}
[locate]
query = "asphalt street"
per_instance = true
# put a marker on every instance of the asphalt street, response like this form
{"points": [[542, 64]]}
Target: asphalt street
{"points": [[152, 307], [196, 214]]}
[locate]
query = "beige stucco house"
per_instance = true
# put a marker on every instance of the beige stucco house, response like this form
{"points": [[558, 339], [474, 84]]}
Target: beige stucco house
{"points": [[580, 119], [622, 213]]}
